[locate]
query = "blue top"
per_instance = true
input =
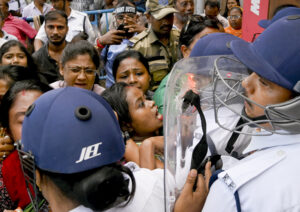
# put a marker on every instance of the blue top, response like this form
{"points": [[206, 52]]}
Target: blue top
{"points": [[113, 51]]}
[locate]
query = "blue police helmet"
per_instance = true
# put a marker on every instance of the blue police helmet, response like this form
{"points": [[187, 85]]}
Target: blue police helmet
{"points": [[275, 54], [71, 130]]}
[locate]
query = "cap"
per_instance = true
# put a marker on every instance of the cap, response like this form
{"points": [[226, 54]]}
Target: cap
{"points": [[159, 8], [213, 44], [71, 130], [275, 53], [125, 9], [280, 14]]}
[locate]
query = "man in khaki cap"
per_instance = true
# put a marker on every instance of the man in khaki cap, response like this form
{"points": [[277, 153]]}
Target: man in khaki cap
{"points": [[159, 44]]}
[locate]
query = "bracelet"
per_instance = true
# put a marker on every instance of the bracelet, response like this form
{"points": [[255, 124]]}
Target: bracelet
{"points": [[99, 44]]}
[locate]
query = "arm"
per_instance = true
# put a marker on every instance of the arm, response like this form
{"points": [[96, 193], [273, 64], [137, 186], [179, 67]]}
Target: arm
{"points": [[89, 30], [193, 201], [131, 151], [112, 37], [40, 38], [37, 44], [147, 151]]}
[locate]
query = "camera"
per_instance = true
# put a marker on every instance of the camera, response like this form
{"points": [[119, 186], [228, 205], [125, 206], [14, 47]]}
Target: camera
{"points": [[122, 27]]}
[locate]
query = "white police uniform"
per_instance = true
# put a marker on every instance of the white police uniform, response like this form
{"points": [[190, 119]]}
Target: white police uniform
{"points": [[266, 180], [217, 142], [77, 22], [81, 208], [149, 193]]}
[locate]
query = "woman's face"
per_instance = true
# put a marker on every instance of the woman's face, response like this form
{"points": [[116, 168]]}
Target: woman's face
{"points": [[17, 111], [134, 73], [231, 4], [79, 72], [145, 119], [14, 56]]}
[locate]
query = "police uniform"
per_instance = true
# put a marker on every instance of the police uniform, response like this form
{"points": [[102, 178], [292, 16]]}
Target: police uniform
{"points": [[161, 58], [77, 22], [266, 180], [149, 191]]}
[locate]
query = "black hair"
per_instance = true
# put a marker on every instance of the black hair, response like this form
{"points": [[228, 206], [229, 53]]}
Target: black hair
{"points": [[98, 189], [11, 43], [13, 73], [236, 8], [125, 3], [129, 54], [226, 12], [212, 3], [72, 50], [193, 27], [116, 97], [10, 97], [53, 15], [80, 36]]}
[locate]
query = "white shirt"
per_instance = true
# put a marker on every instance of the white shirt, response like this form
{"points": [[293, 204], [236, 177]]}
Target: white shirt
{"points": [[219, 137], [31, 10], [81, 208], [149, 193], [267, 180], [76, 21], [15, 5], [6, 37], [222, 19]]}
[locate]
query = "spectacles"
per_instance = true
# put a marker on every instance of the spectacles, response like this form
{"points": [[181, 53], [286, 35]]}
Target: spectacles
{"points": [[122, 16], [234, 17], [77, 70]]}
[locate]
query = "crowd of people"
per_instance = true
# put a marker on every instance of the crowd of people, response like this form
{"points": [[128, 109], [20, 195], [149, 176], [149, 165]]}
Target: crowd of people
{"points": [[83, 108]]}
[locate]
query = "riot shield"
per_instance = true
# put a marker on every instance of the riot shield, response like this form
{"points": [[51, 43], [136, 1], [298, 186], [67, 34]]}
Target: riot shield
{"points": [[182, 129]]}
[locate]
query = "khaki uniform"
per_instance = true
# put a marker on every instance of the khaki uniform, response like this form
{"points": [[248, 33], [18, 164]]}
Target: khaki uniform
{"points": [[161, 58]]}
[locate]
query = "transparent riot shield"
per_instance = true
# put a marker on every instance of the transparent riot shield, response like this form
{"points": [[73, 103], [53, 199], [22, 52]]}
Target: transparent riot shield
{"points": [[182, 128]]}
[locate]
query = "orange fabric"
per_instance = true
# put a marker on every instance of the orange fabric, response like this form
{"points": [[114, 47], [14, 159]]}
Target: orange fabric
{"points": [[235, 32]]}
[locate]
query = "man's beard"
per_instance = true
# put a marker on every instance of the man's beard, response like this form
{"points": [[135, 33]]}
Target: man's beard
{"points": [[182, 18], [57, 43]]}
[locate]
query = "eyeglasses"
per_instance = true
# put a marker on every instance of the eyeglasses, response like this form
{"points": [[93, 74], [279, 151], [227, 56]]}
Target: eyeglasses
{"points": [[234, 17], [77, 70], [120, 17]]}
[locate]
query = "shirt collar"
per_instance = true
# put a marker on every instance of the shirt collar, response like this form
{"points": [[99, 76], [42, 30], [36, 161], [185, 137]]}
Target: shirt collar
{"points": [[264, 142], [72, 14], [152, 36]]}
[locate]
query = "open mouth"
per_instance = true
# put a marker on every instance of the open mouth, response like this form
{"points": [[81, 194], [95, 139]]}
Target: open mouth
{"points": [[158, 115], [80, 85]]}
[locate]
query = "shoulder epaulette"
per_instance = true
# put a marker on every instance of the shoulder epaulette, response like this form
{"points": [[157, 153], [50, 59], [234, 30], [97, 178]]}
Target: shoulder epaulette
{"points": [[139, 36]]}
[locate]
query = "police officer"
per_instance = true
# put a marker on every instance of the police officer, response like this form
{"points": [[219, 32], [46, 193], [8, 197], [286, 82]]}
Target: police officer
{"points": [[159, 44], [267, 178]]}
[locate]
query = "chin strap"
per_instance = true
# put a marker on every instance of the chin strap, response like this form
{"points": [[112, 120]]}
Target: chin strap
{"points": [[258, 118]]}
